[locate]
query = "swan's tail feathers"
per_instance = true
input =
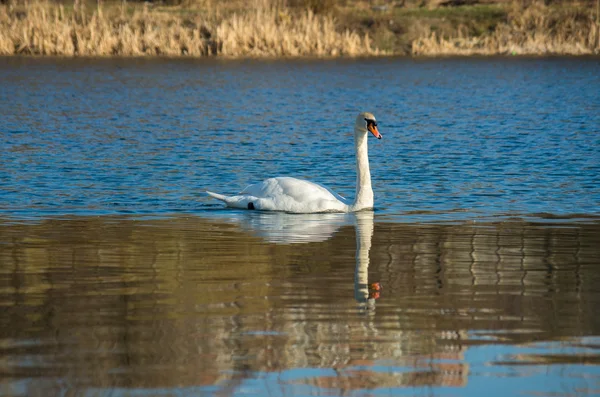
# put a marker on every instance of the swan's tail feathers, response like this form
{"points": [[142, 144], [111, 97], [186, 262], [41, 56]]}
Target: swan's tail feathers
{"points": [[217, 196], [239, 201]]}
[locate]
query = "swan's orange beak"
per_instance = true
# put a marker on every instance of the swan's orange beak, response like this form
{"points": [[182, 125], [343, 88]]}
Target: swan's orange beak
{"points": [[373, 129]]}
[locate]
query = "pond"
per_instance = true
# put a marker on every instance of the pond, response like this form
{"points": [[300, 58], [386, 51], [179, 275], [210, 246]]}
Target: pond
{"points": [[477, 272]]}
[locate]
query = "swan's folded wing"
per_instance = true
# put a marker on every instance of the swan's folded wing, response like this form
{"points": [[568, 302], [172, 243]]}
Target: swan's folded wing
{"points": [[294, 195], [296, 189]]}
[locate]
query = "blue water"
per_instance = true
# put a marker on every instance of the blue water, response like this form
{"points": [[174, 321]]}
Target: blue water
{"points": [[463, 138], [477, 274]]}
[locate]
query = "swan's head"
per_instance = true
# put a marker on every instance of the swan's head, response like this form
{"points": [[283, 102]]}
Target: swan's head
{"points": [[366, 122]]}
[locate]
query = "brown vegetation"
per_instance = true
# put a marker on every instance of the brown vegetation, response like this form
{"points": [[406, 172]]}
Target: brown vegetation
{"points": [[43, 28], [537, 29], [272, 28]]}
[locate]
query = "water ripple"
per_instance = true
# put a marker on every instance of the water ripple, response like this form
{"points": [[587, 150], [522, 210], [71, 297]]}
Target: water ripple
{"points": [[464, 138]]}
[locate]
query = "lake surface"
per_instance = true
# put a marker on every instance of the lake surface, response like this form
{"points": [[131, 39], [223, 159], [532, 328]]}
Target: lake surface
{"points": [[478, 273]]}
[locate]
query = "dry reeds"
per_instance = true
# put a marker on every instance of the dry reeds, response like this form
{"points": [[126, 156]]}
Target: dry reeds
{"points": [[43, 28], [532, 30], [270, 28], [262, 32]]}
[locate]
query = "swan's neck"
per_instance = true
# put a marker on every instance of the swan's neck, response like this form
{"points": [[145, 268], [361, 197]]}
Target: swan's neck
{"points": [[364, 191]]}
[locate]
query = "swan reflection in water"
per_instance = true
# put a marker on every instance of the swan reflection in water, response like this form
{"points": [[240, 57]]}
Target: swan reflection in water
{"points": [[364, 293], [284, 228]]}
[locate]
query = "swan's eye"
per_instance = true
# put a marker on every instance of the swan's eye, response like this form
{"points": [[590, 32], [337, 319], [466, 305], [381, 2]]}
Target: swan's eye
{"points": [[371, 122]]}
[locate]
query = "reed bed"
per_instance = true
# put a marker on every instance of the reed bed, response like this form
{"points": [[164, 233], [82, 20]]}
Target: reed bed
{"points": [[272, 28], [43, 28], [532, 30], [263, 32]]}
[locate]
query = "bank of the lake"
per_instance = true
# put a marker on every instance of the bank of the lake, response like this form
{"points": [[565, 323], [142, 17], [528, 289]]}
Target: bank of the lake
{"points": [[295, 29]]}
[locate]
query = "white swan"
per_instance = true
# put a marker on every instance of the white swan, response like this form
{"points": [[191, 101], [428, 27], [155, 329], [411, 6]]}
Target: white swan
{"points": [[299, 196]]}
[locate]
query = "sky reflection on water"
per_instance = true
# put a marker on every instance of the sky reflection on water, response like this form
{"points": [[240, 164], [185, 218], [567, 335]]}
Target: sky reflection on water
{"points": [[463, 138]]}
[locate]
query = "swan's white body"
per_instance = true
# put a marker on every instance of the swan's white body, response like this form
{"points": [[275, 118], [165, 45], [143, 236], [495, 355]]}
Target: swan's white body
{"points": [[300, 196]]}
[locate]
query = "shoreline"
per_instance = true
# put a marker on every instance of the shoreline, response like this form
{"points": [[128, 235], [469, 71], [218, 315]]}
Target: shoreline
{"points": [[273, 31], [301, 58]]}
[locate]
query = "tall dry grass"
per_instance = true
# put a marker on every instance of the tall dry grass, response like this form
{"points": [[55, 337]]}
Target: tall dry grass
{"points": [[271, 28], [43, 28], [530, 30], [265, 32]]}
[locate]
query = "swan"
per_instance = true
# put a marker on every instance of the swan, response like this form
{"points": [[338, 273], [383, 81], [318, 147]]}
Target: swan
{"points": [[300, 196]]}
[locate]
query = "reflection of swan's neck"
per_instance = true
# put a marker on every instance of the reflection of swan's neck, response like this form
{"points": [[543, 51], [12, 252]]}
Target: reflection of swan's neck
{"points": [[364, 233], [364, 191]]}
